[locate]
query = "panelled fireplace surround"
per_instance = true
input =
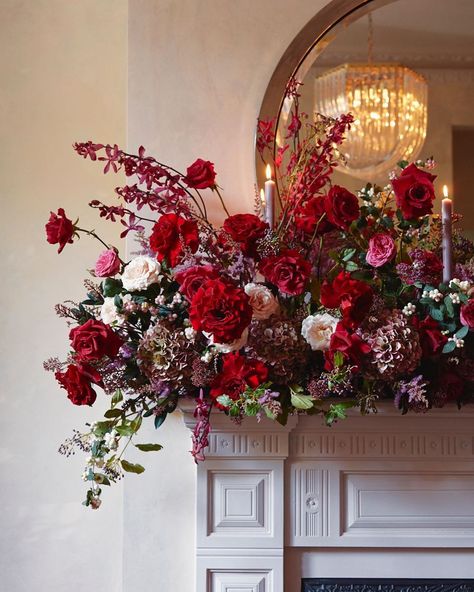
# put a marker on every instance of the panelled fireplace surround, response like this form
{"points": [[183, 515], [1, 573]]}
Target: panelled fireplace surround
{"points": [[380, 496]]}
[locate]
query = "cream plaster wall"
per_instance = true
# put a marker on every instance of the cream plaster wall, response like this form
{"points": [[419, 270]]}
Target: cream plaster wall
{"points": [[62, 77]]}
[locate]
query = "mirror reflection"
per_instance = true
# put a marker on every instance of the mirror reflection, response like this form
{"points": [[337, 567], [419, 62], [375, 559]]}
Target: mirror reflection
{"points": [[406, 72]]}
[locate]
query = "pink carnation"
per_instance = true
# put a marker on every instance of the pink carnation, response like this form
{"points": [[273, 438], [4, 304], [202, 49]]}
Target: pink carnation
{"points": [[382, 249], [107, 264]]}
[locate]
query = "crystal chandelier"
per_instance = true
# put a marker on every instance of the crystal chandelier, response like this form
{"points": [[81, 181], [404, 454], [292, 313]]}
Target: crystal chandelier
{"points": [[389, 104]]}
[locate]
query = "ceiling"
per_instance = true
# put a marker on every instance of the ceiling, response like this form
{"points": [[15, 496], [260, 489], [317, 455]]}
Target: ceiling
{"points": [[423, 33]]}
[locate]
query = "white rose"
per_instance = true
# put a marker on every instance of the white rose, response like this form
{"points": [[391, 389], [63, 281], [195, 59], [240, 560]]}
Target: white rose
{"points": [[317, 330], [140, 273], [226, 348], [262, 301], [108, 311]]}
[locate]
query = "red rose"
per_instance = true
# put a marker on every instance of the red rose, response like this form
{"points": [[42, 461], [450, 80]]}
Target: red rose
{"points": [[382, 249], [108, 264], [200, 175], [222, 309], [236, 374], [450, 387], [93, 340], [353, 298], [342, 207], [414, 192], [59, 229], [246, 230], [431, 339], [289, 271], [170, 235], [309, 216], [77, 381], [467, 314], [192, 278], [350, 345]]}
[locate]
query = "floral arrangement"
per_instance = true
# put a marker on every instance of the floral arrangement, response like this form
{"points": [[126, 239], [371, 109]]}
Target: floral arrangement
{"points": [[338, 302]]}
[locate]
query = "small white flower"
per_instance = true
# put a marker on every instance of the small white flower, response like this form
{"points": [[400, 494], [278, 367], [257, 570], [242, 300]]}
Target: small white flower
{"points": [[409, 309], [207, 357], [455, 298], [190, 333], [317, 330], [464, 286], [262, 301], [140, 273], [110, 440], [435, 295]]}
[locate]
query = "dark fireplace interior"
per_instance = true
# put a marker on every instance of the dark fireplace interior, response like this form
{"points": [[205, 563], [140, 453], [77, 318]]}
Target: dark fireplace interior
{"points": [[385, 585]]}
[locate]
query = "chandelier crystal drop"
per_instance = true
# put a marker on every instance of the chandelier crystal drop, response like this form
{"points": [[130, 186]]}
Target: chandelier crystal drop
{"points": [[389, 104]]}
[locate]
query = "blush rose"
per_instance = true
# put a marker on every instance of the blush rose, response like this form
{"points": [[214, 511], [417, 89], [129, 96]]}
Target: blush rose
{"points": [[382, 249], [108, 264]]}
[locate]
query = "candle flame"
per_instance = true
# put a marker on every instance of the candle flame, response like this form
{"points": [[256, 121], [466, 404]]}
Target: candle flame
{"points": [[268, 172], [262, 197], [445, 191]]}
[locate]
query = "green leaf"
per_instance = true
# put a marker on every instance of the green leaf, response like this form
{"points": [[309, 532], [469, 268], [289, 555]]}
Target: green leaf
{"points": [[131, 467], [111, 413], [348, 254], [224, 400], [448, 303], [136, 423], [463, 331], [436, 314], [149, 447], [102, 427], [159, 419], [338, 359], [117, 397], [299, 400], [351, 266], [111, 287], [449, 347], [124, 430]]}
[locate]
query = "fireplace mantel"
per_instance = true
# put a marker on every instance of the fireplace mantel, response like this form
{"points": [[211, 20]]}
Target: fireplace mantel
{"points": [[385, 481]]}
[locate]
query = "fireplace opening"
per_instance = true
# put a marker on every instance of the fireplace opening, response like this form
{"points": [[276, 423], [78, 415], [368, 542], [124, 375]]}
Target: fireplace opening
{"points": [[385, 585]]}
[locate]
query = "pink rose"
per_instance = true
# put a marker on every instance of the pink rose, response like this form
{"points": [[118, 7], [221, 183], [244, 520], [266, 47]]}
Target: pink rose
{"points": [[382, 249], [108, 264]]}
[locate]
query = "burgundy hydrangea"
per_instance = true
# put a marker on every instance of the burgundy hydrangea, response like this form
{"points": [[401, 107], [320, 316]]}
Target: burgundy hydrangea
{"points": [[425, 267]]}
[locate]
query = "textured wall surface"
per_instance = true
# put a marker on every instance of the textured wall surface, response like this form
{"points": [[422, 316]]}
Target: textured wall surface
{"points": [[63, 72]]}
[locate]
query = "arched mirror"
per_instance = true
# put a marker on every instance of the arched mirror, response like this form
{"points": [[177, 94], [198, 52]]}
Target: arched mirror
{"points": [[405, 70]]}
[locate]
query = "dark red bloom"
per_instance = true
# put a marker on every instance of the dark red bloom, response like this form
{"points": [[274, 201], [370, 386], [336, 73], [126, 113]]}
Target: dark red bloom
{"points": [[289, 271], [353, 298], [93, 340], [246, 230], [222, 309], [265, 134], [312, 214], [170, 235], [192, 278], [59, 229], [414, 192], [236, 374], [77, 381], [342, 207], [450, 387], [431, 339], [467, 314], [350, 345], [200, 175]]}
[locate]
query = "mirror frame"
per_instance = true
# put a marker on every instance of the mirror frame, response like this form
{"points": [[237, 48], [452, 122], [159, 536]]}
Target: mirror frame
{"points": [[335, 15]]}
